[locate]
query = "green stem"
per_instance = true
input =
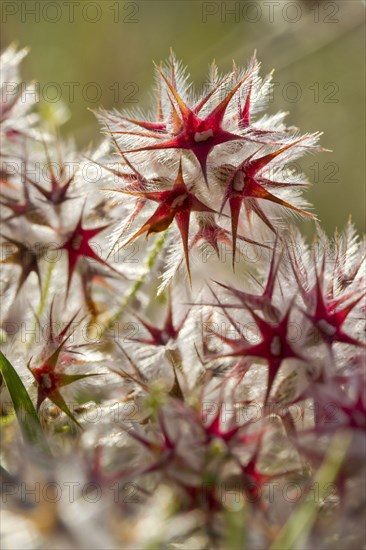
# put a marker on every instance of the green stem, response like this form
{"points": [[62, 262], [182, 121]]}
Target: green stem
{"points": [[45, 289], [294, 533], [131, 293]]}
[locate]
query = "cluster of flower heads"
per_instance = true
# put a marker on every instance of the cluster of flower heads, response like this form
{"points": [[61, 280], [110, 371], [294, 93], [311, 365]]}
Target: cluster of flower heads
{"points": [[191, 385]]}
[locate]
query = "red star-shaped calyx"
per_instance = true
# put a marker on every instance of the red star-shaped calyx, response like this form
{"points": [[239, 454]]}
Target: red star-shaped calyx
{"points": [[161, 336], [273, 348], [19, 208], [327, 315], [23, 207], [261, 302], [175, 204], [60, 183], [27, 258], [211, 234], [49, 376], [78, 246], [245, 185], [190, 131], [214, 428]]}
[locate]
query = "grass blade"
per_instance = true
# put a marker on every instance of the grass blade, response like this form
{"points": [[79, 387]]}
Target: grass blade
{"points": [[26, 414]]}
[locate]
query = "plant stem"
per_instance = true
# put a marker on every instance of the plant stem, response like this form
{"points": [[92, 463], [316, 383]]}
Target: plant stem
{"points": [[45, 289], [150, 261], [298, 526]]}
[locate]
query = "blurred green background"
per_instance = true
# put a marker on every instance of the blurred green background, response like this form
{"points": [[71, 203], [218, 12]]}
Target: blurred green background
{"points": [[105, 48]]}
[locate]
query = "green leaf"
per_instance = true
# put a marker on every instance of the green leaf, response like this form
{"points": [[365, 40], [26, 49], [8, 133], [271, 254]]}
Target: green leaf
{"points": [[26, 414]]}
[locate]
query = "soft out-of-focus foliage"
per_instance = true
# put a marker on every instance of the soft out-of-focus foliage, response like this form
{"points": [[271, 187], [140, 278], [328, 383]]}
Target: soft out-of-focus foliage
{"points": [[202, 388]]}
